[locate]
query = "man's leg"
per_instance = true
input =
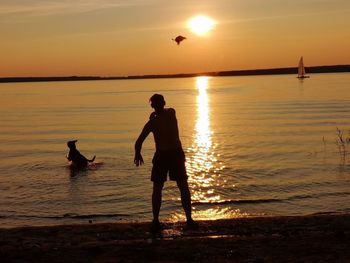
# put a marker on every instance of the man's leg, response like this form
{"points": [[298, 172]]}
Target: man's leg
{"points": [[185, 198], [157, 199]]}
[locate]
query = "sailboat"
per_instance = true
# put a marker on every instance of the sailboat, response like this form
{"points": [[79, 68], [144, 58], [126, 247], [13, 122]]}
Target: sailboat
{"points": [[301, 70]]}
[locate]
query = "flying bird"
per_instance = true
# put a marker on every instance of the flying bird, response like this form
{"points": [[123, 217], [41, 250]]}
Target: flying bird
{"points": [[178, 39]]}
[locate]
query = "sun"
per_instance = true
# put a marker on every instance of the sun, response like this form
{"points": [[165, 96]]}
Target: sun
{"points": [[201, 25]]}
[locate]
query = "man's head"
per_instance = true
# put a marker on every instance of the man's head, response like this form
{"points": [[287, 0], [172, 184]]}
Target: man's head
{"points": [[157, 102]]}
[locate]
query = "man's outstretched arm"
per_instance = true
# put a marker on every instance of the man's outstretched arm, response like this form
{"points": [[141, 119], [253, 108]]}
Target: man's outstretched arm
{"points": [[138, 160]]}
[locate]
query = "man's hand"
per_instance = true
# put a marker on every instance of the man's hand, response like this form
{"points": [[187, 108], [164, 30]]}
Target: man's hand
{"points": [[138, 160]]}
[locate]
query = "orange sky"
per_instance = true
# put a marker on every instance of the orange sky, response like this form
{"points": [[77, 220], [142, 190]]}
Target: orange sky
{"points": [[119, 37]]}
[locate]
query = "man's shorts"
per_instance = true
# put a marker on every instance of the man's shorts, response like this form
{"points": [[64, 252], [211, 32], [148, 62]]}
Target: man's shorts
{"points": [[172, 161]]}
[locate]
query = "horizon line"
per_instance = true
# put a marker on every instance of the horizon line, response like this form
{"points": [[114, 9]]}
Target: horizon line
{"points": [[242, 72]]}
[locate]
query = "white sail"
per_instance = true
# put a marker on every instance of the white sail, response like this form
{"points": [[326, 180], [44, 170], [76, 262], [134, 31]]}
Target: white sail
{"points": [[301, 69]]}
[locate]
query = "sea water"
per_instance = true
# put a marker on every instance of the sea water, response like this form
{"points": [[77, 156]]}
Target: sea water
{"points": [[255, 145]]}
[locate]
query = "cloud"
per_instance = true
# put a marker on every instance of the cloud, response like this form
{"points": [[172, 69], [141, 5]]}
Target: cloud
{"points": [[56, 7], [286, 16]]}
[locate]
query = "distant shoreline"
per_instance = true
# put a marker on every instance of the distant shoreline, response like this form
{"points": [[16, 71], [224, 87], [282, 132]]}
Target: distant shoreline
{"points": [[252, 72]]}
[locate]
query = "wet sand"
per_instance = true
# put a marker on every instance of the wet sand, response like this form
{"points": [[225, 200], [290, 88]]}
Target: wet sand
{"points": [[316, 238]]}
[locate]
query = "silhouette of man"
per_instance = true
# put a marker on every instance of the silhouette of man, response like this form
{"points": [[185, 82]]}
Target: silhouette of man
{"points": [[168, 158]]}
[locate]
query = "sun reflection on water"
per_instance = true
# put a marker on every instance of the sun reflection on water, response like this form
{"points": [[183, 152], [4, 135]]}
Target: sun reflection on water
{"points": [[202, 164]]}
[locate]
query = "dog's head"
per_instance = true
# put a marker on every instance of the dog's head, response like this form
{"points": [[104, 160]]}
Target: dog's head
{"points": [[71, 144]]}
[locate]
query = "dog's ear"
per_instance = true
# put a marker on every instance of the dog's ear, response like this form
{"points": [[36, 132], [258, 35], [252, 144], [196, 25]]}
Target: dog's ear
{"points": [[71, 144]]}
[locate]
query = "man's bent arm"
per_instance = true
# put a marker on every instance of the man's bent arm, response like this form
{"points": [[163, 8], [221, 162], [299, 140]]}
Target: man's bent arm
{"points": [[138, 144]]}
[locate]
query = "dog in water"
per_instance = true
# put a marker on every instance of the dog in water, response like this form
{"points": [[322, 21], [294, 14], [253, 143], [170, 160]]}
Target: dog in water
{"points": [[78, 160]]}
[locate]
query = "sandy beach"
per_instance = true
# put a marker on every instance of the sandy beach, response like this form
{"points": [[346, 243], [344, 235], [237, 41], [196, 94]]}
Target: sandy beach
{"points": [[315, 238]]}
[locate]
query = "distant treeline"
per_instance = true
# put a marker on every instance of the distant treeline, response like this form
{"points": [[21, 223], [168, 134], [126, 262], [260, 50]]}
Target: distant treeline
{"points": [[273, 71], [281, 71], [45, 79]]}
